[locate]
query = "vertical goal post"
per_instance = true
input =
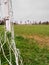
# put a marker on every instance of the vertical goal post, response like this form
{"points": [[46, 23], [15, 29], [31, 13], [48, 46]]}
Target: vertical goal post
{"points": [[8, 40]]}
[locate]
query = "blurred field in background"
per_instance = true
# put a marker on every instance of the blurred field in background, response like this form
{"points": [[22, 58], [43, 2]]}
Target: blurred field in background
{"points": [[33, 42], [32, 29]]}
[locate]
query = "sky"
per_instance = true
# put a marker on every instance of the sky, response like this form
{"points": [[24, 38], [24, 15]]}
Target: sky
{"points": [[37, 10], [31, 9]]}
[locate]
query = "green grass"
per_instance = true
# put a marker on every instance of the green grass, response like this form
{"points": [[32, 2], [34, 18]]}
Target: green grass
{"points": [[32, 29], [31, 52]]}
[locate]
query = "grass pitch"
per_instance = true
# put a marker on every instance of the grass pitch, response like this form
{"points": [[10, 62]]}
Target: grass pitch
{"points": [[31, 51]]}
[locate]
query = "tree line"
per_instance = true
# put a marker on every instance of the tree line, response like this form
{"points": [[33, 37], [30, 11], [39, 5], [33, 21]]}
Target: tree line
{"points": [[2, 22]]}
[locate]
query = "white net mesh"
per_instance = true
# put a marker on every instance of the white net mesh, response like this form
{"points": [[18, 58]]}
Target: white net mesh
{"points": [[9, 53], [9, 50]]}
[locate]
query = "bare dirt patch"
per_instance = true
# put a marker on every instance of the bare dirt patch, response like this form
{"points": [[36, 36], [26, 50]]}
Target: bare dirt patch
{"points": [[42, 40]]}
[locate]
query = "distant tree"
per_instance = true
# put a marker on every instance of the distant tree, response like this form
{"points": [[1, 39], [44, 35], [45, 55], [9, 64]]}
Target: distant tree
{"points": [[28, 21], [45, 22], [35, 22], [39, 22], [2, 22]]}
